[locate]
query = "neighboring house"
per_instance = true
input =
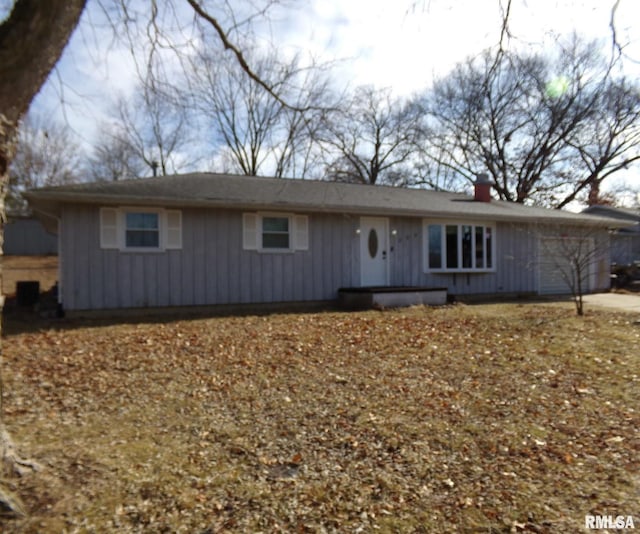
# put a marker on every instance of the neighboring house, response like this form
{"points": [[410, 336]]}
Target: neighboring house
{"points": [[625, 242], [208, 239], [26, 236]]}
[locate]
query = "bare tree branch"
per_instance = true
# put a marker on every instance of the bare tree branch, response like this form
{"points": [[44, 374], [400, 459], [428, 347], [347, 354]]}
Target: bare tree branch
{"points": [[228, 45], [371, 139], [32, 39], [542, 136]]}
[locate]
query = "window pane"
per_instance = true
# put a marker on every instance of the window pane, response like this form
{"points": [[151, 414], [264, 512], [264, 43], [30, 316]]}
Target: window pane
{"points": [[373, 242], [489, 248], [142, 238], [452, 247], [142, 230], [275, 232], [467, 234], [142, 221], [275, 224], [479, 247], [275, 240], [435, 246]]}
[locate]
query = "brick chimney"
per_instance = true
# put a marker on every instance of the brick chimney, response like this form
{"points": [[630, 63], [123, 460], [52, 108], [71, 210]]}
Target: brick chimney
{"points": [[482, 188]]}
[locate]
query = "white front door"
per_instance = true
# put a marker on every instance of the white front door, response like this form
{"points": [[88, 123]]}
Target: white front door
{"points": [[374, 251]]}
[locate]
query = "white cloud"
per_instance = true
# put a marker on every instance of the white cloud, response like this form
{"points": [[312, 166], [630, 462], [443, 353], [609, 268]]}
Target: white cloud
{"points": [[395, 44], [401, 45]]}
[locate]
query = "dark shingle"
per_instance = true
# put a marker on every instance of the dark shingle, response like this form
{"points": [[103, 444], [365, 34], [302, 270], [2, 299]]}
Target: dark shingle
{"points": [[248, 192]]}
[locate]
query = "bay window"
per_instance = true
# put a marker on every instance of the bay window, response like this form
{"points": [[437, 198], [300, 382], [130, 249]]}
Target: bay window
{"points": [[458, 247]]}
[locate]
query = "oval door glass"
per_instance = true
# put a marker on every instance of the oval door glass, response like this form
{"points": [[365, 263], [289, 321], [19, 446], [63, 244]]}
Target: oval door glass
{"points": [[373, 242]]}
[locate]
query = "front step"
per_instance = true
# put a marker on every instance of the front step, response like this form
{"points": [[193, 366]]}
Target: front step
{"points": [[363, 298]]}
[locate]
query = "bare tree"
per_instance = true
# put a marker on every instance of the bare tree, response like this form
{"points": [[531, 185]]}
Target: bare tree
{"points": [[298, 154], [574, 259], [155, 125], [428, 170], [547, 129], [241, 114], [32, 39], [259, 133], [45, 155], [608, 142], [370, 139], [114, 158], [620, 40]]}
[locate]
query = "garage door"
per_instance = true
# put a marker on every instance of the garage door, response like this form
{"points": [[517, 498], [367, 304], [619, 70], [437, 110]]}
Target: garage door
{"points": [[556, 272]]}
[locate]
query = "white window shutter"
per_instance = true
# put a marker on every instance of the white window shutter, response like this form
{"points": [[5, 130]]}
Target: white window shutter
{"points": [[109, 228], [301, 229], [249, 231], [174, 229]]}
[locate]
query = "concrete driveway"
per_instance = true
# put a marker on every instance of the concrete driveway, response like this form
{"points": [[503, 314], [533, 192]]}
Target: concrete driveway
{"points": [[626, 302]]}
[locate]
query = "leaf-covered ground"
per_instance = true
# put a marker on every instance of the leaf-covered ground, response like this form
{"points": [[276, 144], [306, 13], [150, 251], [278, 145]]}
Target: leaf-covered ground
{"points": [[501, 418]]}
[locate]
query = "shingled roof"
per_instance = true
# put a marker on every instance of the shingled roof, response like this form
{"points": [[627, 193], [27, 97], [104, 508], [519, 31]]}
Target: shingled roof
{"points": [[632, 215], [208, 190]]}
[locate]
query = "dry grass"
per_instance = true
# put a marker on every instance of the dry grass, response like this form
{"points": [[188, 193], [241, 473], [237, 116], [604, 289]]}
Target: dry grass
{"points": [[503, 418]]}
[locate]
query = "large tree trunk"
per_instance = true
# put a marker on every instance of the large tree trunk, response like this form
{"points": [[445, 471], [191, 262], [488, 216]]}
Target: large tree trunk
{"points": [[31, 42], [32, 39]]}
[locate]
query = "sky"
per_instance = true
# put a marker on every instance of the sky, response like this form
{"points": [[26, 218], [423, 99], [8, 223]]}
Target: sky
{"points": [[395, 43], [399, 44], [402, 45]]}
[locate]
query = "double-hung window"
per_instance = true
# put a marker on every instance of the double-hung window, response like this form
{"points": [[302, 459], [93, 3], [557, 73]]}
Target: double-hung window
{"points": [[458, 247], [276, 232], [131, 229], [142, 229]]}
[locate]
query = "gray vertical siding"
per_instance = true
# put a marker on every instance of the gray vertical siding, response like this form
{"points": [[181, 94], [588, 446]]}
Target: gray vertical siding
{"points": [[625, 248], [517, 266], [212, 268], [28, 237], [514, 250]]}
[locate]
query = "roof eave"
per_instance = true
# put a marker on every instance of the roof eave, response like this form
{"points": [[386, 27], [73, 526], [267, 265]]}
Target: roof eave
{"points": [[51, 202]]}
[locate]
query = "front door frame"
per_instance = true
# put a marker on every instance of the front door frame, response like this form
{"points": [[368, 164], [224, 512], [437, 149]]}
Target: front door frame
{"points": [[381, 224]]}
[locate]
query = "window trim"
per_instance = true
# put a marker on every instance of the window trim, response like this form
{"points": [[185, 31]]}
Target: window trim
{"points": [[252, 232], [160, 230], [260, 231], [460, 224], [117, 233]]}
